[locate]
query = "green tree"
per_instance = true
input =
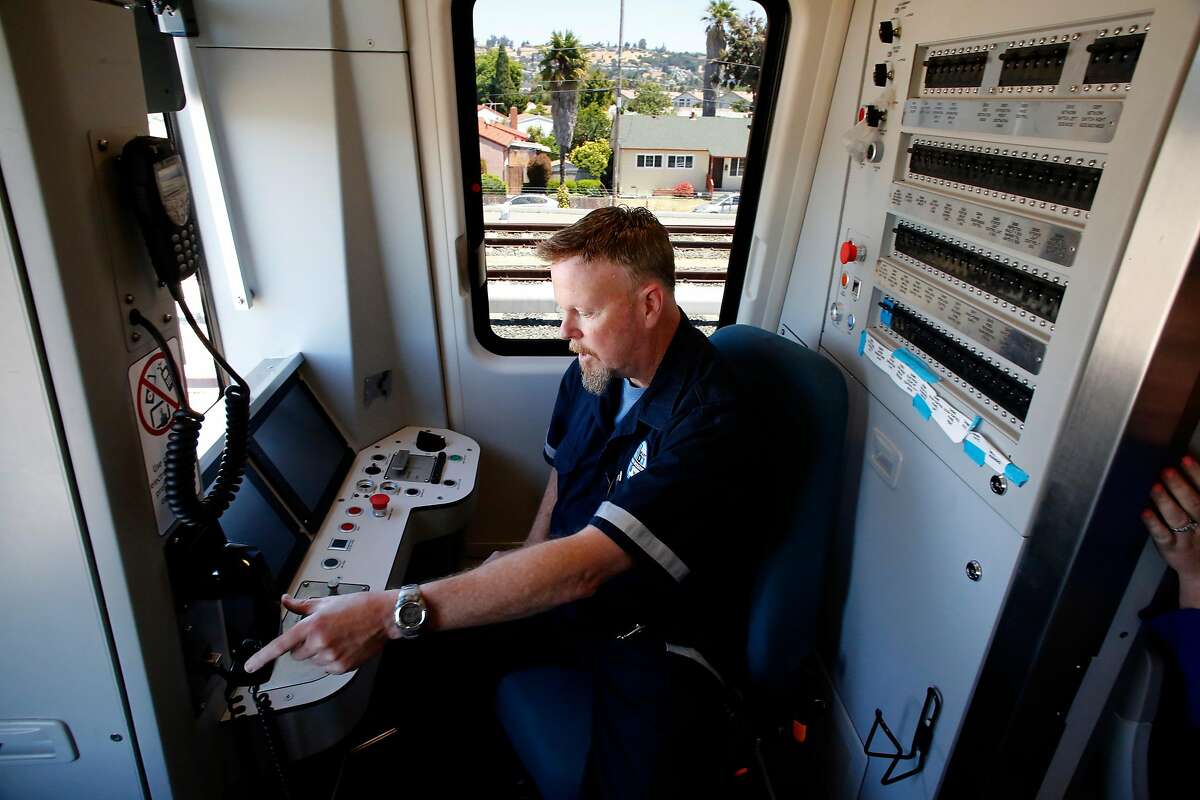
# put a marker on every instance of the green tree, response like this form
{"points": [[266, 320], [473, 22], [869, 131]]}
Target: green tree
{"points": [[650, 100], [592, 125], [563, 196], [563, 65], [641, 44], [592, 156], [485, 76], [598, 89], [717, 20], [744, 52], [504, 89], [535, 135]]}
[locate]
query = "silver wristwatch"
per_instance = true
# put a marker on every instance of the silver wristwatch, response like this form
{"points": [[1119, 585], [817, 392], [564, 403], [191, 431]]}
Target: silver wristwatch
{"points": [[410, 612]]}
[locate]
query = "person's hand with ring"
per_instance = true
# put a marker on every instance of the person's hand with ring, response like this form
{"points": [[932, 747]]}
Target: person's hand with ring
{"points": [[1174, 527]]}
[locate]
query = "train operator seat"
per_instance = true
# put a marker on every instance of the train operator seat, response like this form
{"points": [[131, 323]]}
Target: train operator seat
{"points": [[798, 399]]}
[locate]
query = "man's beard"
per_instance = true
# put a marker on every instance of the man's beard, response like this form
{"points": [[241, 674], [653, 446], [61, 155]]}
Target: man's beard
{"points": [[595, 377]]}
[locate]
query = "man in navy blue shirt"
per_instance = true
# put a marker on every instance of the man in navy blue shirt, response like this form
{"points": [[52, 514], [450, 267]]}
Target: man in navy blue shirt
{"points": [[633, 567]]}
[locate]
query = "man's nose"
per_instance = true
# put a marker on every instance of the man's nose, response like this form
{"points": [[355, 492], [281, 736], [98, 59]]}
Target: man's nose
{"points": [[566, 330]]}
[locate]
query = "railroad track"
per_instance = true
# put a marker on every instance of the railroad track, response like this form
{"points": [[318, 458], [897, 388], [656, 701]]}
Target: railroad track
{"points": [[510, 234], [502, 274], [530, 241]]}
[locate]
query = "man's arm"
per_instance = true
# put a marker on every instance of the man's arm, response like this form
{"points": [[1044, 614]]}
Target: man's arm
{"points": [[344, 631], [529, 581]]}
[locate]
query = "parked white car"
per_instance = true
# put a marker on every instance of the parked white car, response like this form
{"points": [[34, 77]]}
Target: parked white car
{"points": [[528, 202], [725, 205]]}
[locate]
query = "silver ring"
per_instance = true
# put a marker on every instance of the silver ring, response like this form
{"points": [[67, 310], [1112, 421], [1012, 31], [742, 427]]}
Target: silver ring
{"points": [[1190, 526]]}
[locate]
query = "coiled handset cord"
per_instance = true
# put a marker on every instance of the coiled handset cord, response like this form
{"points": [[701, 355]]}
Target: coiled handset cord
{"points": [[179, 464]]}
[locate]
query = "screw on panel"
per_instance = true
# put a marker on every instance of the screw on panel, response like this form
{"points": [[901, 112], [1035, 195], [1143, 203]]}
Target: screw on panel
{"points": [[974, 570], [999, 484], [102, 145], [116, 737], [167, 317], [135, 336], [129, 299]]}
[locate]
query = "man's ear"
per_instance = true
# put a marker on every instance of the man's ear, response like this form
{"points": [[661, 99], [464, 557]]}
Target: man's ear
{"points": [[652, 298]]}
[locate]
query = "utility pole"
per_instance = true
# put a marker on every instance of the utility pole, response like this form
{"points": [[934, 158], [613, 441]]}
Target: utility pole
{"points": [[617, 112]]}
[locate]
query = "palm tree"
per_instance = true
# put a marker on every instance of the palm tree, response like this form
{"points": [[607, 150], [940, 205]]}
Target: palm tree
{"points": [[717, 20], [563, 66]]}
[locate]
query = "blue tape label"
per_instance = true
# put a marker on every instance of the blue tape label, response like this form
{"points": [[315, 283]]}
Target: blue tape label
{"points": [[921, 407]]}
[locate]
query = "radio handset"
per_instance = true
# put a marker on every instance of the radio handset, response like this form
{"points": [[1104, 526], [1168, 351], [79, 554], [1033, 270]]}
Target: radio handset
{"points": [[157, 188], [162, 202]]}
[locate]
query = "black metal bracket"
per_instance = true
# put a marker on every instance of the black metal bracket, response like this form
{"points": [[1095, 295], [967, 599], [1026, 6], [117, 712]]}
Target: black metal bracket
{"points": [[922, 738]]}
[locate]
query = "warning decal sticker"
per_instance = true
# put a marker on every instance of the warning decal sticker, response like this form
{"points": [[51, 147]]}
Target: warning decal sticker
{"points": [[158, 395], [155, 400]]}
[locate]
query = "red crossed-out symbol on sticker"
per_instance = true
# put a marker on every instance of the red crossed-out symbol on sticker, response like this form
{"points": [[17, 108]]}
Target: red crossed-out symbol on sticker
{"points": [[156, 401]]}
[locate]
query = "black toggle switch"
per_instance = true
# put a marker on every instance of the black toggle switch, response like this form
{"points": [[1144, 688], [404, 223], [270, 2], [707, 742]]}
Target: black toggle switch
{"points": [[887, 31], [880, 75], [874, 116]]}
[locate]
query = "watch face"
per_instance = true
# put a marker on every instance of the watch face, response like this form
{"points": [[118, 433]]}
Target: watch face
{"points": [[411, 615]]}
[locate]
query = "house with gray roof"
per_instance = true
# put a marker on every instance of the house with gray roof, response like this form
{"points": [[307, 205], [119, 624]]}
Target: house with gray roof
{"points": [[658, 153]]}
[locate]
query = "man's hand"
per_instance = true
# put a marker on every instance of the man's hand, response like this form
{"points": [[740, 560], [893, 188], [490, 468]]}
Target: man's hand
{"points": [[338, 635], [1177, 499]]}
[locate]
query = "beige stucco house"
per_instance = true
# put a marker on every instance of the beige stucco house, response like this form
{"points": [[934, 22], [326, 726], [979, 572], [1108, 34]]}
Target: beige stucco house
{"points": [[658, 153]]}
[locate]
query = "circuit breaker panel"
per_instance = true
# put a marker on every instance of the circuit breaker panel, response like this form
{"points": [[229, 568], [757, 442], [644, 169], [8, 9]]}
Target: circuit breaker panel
{"points": [[996, 161], [993, 158]]}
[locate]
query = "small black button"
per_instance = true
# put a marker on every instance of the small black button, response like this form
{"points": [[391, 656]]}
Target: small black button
{"points": [[880, 75], [372, 470], [329, 563], [887, 31], [430, 442]]}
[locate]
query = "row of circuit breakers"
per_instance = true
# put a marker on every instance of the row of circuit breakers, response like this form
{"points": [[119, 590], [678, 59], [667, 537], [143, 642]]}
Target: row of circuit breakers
{"points": [[985, 316]]}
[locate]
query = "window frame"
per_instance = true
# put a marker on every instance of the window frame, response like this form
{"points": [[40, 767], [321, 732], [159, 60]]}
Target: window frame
{"points": [[647, 157], [740, 161], [208, 305], [778, 19]]}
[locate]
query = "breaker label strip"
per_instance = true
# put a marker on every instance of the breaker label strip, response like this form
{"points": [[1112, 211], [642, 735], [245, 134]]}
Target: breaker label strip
{"points": [[917, 381], [1046, 119], [1046, 240]]}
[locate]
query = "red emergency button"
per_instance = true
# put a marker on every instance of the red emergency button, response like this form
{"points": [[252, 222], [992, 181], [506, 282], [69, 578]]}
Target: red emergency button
{"points": [[845, 279], [848, 254], [354, 511], [379, 504], [347, 527]]}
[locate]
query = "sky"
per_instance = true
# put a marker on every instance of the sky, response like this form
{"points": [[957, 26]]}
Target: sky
{"points": [[674, 23]]}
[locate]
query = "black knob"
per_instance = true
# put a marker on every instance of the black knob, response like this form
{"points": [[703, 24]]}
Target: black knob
{"points": [[880, 76], [887, 31], [430, 442], [875, 116]]}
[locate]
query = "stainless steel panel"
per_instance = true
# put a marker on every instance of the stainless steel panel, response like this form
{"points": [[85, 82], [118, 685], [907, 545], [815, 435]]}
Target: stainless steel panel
{"points": [[1070, 120], [1055, 243], [945, 304]]}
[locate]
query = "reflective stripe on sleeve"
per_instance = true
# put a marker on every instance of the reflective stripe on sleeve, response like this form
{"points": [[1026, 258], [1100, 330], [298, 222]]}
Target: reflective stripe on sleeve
{"points": [[632, 527], [549, 451], [694, 655]]}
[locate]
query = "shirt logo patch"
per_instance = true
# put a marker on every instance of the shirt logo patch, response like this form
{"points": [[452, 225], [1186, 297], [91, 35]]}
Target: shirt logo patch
{"points": [[639, 461]]}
